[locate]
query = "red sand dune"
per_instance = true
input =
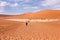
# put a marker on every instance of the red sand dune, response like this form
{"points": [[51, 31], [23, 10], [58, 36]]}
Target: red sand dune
{"points": [[40, 14], [10, 30], [36, 15]]}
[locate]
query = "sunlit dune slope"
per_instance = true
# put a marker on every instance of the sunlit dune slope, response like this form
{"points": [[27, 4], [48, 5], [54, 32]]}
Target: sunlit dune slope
{"points": [[40, 14], [36, 15]]}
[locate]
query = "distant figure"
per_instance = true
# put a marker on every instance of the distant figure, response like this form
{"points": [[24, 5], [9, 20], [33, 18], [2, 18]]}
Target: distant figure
{"points": [[27, 22]]}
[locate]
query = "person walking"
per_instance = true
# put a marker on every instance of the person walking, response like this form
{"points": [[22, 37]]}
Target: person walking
{"points": [[27, 22]]}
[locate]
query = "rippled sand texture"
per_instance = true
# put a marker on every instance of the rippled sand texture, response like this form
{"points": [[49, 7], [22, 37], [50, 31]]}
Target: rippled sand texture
{"points": [[11, 30]]}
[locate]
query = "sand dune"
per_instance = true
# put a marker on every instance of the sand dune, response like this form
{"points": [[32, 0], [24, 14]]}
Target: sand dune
{"points": [[14, 30], [40, 14]]}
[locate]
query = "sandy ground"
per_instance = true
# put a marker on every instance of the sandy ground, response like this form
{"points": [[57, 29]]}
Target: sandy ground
{"points": [[10, 30], [13, 30]]}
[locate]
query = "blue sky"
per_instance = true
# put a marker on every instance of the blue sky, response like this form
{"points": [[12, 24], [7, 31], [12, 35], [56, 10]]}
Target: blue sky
{"points": [[21, 6]]}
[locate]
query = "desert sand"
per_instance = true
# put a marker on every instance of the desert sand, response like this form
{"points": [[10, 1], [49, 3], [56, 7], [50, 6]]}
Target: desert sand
{"points": [[14, 30]]}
